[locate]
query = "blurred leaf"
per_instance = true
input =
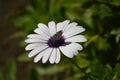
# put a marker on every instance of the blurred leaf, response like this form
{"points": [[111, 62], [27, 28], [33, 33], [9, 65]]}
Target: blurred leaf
{"points": [[1, 75], [117, 69], [75, 3], [33, 75], [92, 39], [102, 44], [49, 70], [98, 72], [116, 2], [81, 61], [72, 15], [101, 10], [78, 76], [117, 33], [20, 34], [51, 6], [87, 17], [22, 43], [24, 57], [11, 70]]}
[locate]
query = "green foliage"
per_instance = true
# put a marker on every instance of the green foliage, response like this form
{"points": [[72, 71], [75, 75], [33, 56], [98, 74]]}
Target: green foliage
{"points": [[1, 75], [101, 55], [24, 58], [11, 70]]}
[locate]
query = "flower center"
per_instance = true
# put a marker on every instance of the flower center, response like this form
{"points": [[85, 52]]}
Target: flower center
{"points": [[56, 40]]}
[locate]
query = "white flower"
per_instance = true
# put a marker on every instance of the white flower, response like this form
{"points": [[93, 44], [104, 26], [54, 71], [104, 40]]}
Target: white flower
{"points": [[49, 42]]}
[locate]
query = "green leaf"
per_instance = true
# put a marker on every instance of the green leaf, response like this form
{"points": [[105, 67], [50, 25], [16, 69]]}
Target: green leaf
{"points": [[101, 10], [117, 33], [116, 2], [11, 70], [19, 34], [1, 75], [98, 72], [117, 69], [24, 58], [101, 43], [33, 75], [49, 70], [91, 39], [81, 61]]}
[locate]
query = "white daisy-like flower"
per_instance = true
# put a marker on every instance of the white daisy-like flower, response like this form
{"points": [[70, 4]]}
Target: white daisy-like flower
{"points": [[49, 42]]}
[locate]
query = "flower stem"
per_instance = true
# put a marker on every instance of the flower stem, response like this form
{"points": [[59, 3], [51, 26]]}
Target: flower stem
{"points": [[75, 64], [82, 70]]}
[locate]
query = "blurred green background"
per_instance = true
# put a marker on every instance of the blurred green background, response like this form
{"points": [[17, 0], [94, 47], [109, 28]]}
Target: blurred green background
{"points": [[100, 59]]}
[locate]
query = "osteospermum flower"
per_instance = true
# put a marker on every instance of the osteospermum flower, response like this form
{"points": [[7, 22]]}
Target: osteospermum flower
{"points": [[49, 42]]}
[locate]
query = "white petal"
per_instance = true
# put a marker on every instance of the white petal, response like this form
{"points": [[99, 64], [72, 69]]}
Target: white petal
{"points": [[73, 31], [53, 56], [78, 38], [42, 32], [76, 46], [57, 56], [75, 53], [70, 26], [70, 49], [47, 55], [65, 24], [40, 55], [66, 50], [32, 46], [44, 28], [37, 50], [81, 29], [37, 36], [62, 25], [52, 27], [35, 41], [59, 26]]}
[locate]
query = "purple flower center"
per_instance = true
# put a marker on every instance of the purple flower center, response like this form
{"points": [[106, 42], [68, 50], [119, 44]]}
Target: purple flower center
{"points": [[56, 40]]}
